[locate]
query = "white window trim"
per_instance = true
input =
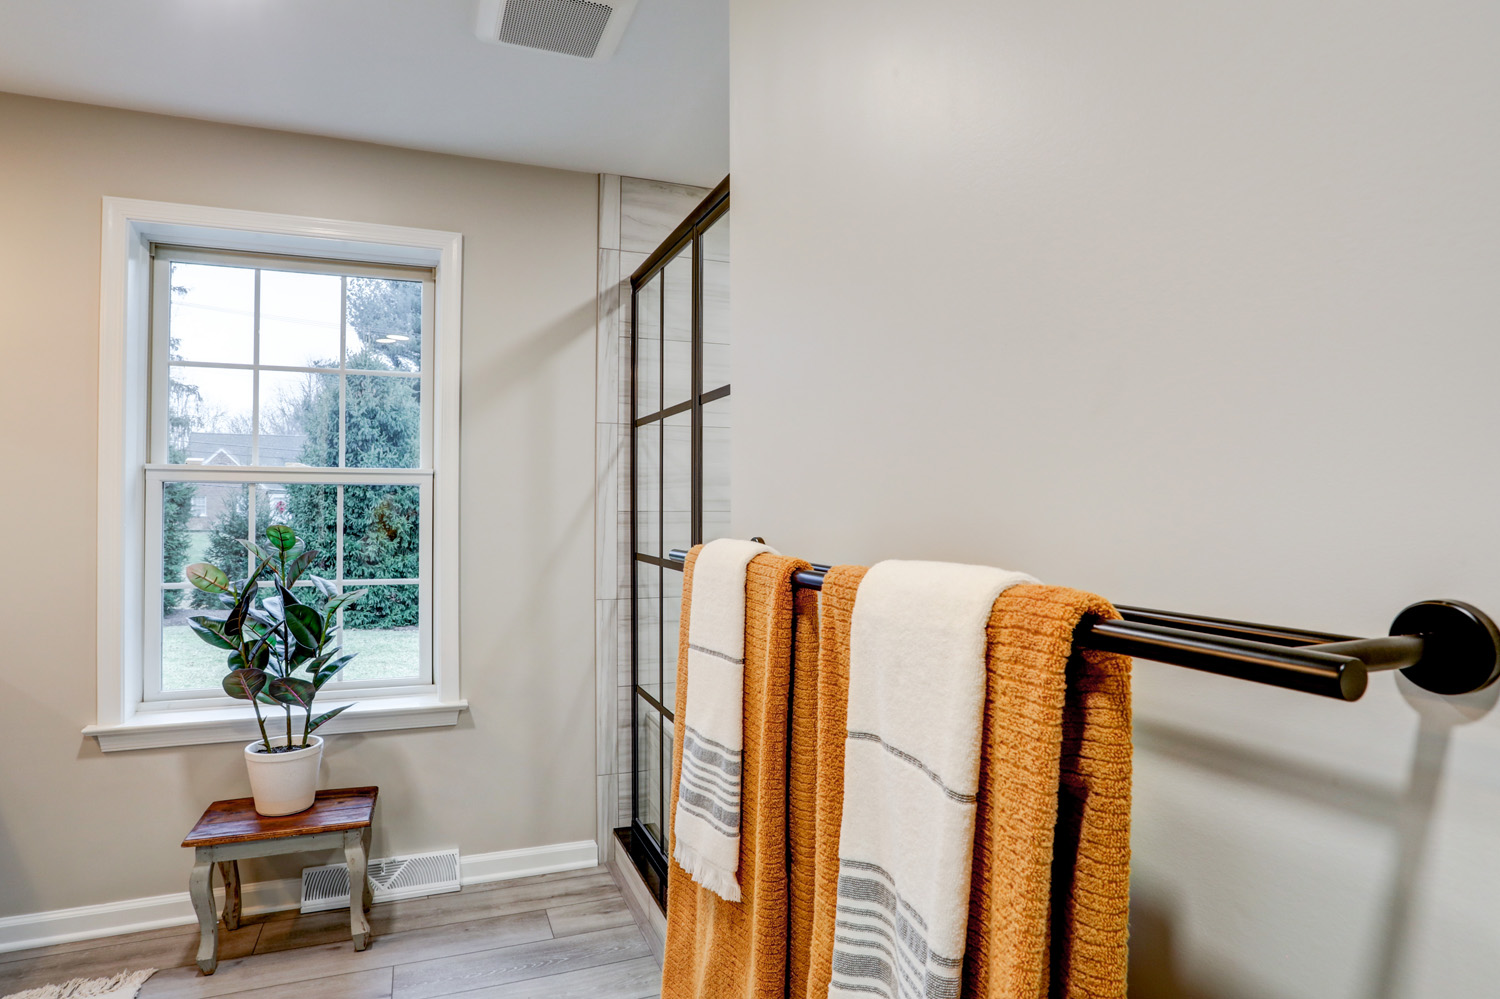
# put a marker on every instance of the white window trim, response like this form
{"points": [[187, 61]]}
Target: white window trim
{"points": [[130, 226]]}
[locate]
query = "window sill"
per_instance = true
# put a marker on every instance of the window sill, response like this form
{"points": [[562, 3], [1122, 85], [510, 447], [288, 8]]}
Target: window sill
{"points": [[201, 726]]}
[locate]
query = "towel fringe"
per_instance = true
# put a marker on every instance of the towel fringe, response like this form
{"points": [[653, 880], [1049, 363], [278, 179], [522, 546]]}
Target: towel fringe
{"points": [[717, 880], [126, 984]]}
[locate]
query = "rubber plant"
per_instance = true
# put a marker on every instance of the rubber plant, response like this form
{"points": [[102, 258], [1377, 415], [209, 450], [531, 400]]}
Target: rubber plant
{"points": [[275, 632]]}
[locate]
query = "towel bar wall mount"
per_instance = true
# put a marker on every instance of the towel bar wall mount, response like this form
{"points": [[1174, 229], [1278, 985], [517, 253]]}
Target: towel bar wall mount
{"points": [[1445, 646]]}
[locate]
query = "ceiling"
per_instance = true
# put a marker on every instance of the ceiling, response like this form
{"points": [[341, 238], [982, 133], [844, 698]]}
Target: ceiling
{"points": [[402, 72]]}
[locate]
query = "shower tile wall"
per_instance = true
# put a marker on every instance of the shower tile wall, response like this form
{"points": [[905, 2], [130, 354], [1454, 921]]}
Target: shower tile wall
{"points": [[634, 217]]}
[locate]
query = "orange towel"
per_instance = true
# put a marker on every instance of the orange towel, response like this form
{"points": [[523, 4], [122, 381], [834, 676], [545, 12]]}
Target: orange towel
{"points": [[727, 950], [1049, 904]]}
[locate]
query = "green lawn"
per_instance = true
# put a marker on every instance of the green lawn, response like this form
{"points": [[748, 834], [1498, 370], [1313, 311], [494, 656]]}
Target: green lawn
{"points": [[188, 663]]}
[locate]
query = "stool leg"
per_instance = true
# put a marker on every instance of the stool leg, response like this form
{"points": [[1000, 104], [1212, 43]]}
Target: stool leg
{"points": [[354, 853], [229, 871], [201, 889], [368, 900]]}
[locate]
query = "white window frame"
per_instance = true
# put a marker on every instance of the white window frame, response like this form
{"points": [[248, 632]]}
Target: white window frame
{"points": [[126, 719], [158, 472]]}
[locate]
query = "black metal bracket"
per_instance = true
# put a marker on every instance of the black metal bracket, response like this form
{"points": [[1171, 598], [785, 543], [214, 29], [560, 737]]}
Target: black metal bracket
{"points": [[1460, 646]]}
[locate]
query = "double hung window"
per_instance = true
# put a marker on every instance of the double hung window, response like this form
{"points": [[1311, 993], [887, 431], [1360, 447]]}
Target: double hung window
{"points": [[260, 369], [290, 391]]}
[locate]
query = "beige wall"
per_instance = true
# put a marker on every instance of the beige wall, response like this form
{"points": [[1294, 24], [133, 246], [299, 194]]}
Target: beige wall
{"points": [[80, 827], [1195, 306]]}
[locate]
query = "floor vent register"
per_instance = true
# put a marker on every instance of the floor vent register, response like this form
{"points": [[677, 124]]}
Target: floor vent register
{"points": [[390, 879]]}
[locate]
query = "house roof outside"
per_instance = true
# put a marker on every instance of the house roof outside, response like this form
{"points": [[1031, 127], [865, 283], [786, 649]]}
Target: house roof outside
{"points": [[234, 449]]}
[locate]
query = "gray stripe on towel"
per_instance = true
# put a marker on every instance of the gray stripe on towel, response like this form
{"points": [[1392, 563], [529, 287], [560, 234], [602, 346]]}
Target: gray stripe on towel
{"points": [[959, 796], [692, 744], [704, 787], [716, 654], [873, 916], [696, 804]]}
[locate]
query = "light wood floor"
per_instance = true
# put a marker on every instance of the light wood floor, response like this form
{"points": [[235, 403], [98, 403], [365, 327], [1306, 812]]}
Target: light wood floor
{"points": [[555, 936]]}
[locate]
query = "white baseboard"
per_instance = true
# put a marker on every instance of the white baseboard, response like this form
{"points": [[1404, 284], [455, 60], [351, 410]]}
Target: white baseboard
{"points": [[132, 915], [481, 867]]}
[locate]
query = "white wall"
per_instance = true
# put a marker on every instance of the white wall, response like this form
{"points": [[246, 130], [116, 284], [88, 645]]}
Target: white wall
{"points": [[1194, 306], [78, 827]]}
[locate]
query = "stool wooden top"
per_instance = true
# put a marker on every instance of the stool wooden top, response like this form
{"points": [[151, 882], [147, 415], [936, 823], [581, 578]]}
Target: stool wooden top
{"points": [[237, 821]]}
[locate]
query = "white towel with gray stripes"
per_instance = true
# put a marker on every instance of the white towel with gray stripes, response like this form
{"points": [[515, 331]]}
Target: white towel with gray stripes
{"points": [[706, 823], [911, 777]]}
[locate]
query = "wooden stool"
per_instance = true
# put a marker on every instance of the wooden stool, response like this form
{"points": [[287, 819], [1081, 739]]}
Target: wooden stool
{"points": [[231, 831]]}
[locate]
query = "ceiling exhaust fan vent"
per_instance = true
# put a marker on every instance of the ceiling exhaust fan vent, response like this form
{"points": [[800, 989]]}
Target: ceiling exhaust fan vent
{"points": [[585, 29]]}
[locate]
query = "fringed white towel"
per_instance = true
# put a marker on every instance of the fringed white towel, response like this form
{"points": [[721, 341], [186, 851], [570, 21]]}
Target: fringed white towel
{"points": [[707, 821], [911, 777]]}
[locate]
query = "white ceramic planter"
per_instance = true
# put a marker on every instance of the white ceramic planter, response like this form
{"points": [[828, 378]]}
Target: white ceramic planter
{"points": [[283, 783]]}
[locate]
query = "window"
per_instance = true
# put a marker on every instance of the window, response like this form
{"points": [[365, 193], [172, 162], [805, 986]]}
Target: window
{"points": [[679, 480], [289, 391], [259, 369]]}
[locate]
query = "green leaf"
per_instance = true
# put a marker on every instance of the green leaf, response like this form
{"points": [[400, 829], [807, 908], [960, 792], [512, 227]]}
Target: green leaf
{"points": [[266, 698], [332, 669], [281, 536], [245, 683], [318, 662], [256, 550], [306, 625], [235, 622], [207, 577], [325, 588], [292, 691], [298, 566], [344, 600], [211, 631], [317, 722], [288, 598]]}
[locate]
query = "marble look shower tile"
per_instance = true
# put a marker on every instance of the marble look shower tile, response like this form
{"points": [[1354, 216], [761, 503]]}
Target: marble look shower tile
{"points": [[626, 790], [606, 703], [627, 559], [677, 295], [606, 681], [606, 812], [607, 339], [676, 530], [716, 443], [630, 262], [606, 505], [651, 209], [622, 464], [624, 391], [716, 314], [622, 729], [609, 211], [622, 641]]}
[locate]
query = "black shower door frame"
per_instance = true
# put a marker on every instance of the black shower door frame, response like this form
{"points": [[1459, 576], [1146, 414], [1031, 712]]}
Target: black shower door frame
{"points": [[689, 234]]}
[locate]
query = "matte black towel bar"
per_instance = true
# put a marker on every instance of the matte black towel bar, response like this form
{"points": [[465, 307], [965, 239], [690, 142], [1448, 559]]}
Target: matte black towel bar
{"points": [[1444, 646]]}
